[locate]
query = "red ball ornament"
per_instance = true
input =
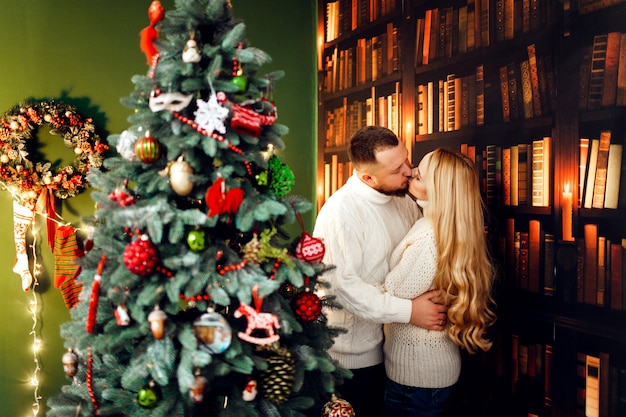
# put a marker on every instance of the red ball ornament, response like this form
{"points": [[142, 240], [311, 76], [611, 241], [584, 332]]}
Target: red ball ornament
{"points": [[337, 407], [148, 149], [140, 256], [310, 249], [307, 306]]}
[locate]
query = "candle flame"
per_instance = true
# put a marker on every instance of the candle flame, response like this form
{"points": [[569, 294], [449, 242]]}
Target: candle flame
{"points": [[566, 188]]}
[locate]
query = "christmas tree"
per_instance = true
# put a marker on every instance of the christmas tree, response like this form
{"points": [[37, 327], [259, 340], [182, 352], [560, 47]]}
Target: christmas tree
{"points": [[195, 301]]}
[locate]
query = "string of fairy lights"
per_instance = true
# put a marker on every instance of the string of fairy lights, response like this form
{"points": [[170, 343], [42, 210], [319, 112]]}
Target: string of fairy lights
{"points": [[35, 332]]}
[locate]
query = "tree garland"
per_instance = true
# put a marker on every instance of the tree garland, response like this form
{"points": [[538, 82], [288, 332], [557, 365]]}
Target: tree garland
{"points": [[26, 179]]}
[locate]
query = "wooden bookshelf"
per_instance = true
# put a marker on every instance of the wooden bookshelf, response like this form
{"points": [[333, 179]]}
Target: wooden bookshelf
{"points": [[485, 76]]}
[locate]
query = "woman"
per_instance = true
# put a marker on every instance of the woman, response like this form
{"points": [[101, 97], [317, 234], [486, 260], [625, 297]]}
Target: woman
{"points": [[445, 250]]}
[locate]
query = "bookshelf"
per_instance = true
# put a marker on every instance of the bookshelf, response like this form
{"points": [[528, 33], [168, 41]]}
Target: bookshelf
{"points": [[518, 85]]}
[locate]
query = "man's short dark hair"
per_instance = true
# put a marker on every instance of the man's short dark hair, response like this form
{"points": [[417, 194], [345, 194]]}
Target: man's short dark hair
{"points": [[369, 140]]}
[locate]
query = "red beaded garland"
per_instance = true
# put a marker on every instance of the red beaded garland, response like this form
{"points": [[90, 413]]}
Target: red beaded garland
{"points": [[89, 382]]}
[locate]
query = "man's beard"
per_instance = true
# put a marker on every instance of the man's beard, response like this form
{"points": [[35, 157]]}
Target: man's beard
{"points": [[401, 192]]}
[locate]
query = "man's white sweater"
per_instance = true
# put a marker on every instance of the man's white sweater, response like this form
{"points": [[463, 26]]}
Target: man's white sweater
{"points": [[360, 228]]}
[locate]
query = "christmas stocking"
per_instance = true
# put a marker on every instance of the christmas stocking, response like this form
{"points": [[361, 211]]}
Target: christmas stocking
{"points": [[65, 268], [22, 218]]}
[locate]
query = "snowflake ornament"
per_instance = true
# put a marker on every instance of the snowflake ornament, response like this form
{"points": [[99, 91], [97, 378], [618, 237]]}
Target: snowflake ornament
{"points": [[211, 115]]}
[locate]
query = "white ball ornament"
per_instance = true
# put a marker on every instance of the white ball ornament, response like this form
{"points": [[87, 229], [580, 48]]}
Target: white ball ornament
{"points": [[180, 174], [4, 159]]}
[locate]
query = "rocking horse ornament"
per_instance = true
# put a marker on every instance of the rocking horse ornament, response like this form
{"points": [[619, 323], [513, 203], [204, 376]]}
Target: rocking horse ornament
{"points": [[258, 320]]}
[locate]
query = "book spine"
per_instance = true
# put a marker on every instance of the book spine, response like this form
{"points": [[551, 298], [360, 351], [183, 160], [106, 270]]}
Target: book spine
{"points": [[613, 174], [609, 85], [591, 263], [596, 78], [548, 264], [601, 168]]}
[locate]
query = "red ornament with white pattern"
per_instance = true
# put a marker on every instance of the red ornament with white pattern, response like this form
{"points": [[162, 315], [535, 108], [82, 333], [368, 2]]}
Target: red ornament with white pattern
{"points": [[310, 249], [140, 256]]}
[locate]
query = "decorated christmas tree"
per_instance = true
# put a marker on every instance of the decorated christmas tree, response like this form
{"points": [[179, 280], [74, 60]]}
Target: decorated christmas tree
{"points": [[195, 301]]}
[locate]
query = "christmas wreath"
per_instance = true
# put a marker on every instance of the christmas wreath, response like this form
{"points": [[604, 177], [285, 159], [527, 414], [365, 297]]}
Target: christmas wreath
{"points": [[32, 182], [26, 179]]}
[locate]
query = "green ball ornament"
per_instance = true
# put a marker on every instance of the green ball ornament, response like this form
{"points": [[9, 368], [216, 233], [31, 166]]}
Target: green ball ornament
{"points": [[241, 82], [196, 240], [147, 397]]}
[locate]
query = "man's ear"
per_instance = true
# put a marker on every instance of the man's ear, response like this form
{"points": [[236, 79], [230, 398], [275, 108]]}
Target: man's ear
{"points": [[366, 178]]}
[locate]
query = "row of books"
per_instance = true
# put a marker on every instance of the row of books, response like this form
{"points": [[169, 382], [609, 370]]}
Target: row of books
{"points": [[370, 59], [518, 175], [451, 104], [343, 121], [531, 372], [524, 90], [527, 88], [336, 174], [600, 269], [600, 172], [447, 31], [600, 386], [600, 382], [528, 252], [345, 16], [529, 263], [602, 75]]}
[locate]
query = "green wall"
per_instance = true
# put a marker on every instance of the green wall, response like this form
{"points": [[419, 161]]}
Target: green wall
{"points": [[84, 53]]}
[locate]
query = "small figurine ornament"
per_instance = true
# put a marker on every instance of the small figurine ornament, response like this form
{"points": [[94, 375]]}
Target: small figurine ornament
{"points": [[191, 52], [250, 391], [70, 363], [121, 315], [196, 391]]}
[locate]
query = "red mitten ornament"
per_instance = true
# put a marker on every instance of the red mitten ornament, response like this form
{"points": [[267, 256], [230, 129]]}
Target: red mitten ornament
{"points": [[307, 305], [310, 249], [140, 256], [219, 201]]}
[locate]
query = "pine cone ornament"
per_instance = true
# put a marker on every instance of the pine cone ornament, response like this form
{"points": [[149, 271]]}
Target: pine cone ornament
{"points": [[251, 250], [276, 382]]}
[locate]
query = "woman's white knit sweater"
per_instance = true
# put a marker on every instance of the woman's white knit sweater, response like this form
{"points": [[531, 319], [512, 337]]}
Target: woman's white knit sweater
{"points": [[414, 356]]}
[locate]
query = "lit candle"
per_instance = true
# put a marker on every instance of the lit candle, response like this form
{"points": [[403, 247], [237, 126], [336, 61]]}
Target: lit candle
{"points": [[567, 214]]}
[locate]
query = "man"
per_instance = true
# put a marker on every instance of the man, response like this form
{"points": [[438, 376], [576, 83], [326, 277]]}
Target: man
{"points": [[361, 224]]}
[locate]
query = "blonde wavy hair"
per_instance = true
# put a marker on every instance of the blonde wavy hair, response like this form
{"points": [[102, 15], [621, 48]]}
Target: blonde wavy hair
{"points": [[465, 272]]}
